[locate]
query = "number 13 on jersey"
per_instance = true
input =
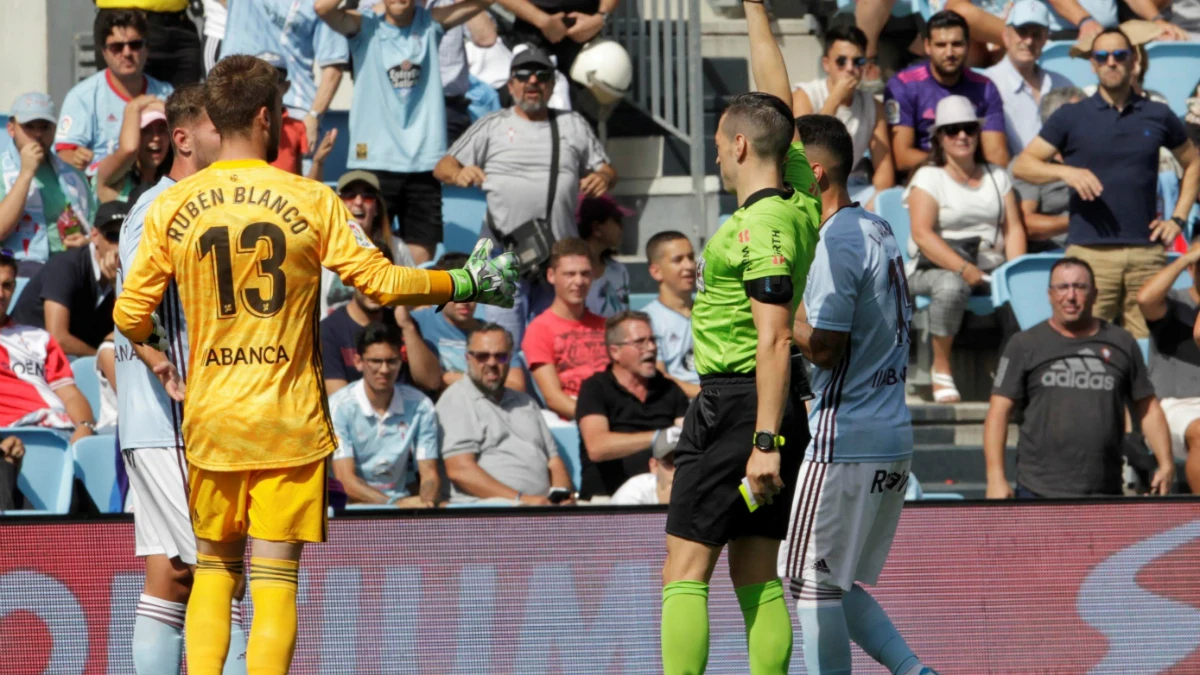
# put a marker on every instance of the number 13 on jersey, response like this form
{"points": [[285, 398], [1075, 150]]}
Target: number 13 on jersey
{"points": [[264, 300]]}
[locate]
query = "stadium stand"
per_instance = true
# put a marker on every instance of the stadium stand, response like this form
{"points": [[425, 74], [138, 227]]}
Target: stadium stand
{"points": [[95, 466], [1055, 57], [87, 380], [1173, 71], [46, 471], [567, 439]]}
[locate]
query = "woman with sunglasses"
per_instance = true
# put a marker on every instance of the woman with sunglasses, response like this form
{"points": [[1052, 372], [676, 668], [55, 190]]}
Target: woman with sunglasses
{"points": [[965, 223], [359, 191], [838, 94], [144, 148]]}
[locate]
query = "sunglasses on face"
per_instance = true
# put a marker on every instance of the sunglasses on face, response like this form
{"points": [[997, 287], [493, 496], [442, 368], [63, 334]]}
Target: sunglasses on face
{"points": [[523, 75], [952, 130], [484, 357], [118, 47], [858, 61], [351, 194], [1120, 55]]}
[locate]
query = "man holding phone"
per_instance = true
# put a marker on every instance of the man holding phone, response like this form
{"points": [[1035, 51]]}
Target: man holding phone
{"points": [[495, 442]]}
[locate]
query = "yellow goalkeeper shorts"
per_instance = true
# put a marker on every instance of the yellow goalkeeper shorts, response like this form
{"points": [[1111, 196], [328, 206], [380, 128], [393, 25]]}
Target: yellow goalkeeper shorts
{"points": [[287, 504]]}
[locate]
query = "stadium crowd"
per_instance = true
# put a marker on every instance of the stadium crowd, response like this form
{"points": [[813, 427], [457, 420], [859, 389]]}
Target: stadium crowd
{"points": [[998, 157]]}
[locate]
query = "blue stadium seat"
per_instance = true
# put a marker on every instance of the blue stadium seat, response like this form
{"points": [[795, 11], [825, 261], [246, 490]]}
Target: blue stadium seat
{"points": [[1174, 70], [21, 281], [95, 460], [1144, 345], [1055, 57], [567, 439], [88, 382], [638, 301], [46, 470], [1023, 283], [889, 205], [1000, 282], [463, 211], [941, 496]]}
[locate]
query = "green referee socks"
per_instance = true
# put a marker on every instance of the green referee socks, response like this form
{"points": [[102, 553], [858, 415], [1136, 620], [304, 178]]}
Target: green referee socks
{"points": [[685, 628], [768, 627]]}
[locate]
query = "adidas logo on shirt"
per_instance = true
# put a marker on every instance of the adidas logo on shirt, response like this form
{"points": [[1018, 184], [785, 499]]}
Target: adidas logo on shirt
{"points": [[1085, 371]]}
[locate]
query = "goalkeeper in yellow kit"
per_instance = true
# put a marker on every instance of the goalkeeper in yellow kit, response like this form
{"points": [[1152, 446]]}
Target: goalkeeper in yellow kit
{"points": [[245, 243]]}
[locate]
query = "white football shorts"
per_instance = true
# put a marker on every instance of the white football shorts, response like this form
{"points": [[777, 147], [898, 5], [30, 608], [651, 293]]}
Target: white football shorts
{"points": [[158, 486]]}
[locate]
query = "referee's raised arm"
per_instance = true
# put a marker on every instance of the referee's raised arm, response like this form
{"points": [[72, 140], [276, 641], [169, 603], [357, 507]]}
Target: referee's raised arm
{"points": [[766, 59]]}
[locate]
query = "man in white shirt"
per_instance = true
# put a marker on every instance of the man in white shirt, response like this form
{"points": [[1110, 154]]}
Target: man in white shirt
{"points": [[1019, 78], [654, 488]]}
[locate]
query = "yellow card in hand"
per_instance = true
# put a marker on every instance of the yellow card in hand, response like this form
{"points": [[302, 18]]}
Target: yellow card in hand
{"points": [[744, 488]]}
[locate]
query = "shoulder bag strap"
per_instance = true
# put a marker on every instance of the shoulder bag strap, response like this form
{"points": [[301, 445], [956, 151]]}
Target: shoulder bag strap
{"points": [[554, 152]]}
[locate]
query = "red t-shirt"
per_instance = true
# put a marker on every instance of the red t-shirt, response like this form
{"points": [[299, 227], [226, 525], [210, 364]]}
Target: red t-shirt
{"points": [[293, 145], [32, 366], [576, 348]]}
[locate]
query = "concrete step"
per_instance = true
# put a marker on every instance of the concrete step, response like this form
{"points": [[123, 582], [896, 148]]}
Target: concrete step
{"points": [[956, 434], [942, 413], [938, 464]]}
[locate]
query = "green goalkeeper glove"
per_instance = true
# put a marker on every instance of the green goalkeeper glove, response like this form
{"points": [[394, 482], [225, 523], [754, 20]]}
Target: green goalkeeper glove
{"points": [[486, 280]]}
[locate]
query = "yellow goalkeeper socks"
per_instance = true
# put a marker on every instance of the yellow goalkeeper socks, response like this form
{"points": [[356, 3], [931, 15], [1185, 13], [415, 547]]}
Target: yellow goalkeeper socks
{"points": [[273, 632], [208, 613]]}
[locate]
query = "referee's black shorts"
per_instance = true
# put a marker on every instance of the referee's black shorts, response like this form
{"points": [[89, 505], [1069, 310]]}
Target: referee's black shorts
{"points": [[710, 462]]}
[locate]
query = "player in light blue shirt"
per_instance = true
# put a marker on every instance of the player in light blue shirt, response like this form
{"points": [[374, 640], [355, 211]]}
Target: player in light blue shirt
{"points": [[292, 29], [855, 331], [89, 127], [382, 427], [673, 265]]}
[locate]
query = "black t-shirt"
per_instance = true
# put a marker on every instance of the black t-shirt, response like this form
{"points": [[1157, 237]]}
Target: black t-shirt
{"points": [[339, 334], [1074, 392], [1174, 356], [69, 279], [600, 394]]}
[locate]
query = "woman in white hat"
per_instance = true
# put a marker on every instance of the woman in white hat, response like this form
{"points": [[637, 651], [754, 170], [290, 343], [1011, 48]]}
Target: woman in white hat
{"points": [[965, 223]]}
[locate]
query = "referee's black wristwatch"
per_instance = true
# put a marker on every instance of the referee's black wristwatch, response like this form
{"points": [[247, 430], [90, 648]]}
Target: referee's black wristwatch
{"points": [[767, 441]]}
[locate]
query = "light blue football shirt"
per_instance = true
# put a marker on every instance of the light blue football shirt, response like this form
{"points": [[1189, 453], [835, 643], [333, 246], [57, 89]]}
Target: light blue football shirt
{"points": [[856, 285], [92, 114], [398, 115], [444, 338], [148, 418], [674, 334], [383, 446], [291, 29]]}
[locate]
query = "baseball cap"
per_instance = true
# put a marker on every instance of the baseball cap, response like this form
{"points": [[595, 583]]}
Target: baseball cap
{"points": [[526, 55], [1026, 12], [358, 176], [665, 442], [955, 110], [34, 106], [111, 215], [151, 116], [599, 209]]}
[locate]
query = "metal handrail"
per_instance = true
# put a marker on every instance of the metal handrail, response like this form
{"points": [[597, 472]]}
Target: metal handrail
{"points": [[663, 41]]}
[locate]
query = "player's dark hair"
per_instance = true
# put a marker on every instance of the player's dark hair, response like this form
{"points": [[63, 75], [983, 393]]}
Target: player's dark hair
{"points": [[1112, 31], [185, 105], [378, 333], [614, 330], [655, 244], [765, 121], [845, 33], [490, 327], [1078, 262], [451, 261], [946, 18], [826, 137], [568, 247], [108, 19], [236, 89], [10, 262]]}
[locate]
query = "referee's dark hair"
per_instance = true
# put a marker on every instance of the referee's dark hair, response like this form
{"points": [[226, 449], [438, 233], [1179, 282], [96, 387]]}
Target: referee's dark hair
{"points": [[375, 333], [827, 142], [765, 121], [613, 331]]}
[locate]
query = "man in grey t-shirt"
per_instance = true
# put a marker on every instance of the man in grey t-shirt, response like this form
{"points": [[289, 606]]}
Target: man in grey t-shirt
{"points": [[495, 442], [1073, 375], [507, 153]]}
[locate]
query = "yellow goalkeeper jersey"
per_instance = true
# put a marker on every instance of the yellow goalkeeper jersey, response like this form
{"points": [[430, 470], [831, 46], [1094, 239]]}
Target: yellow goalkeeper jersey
{"points": [[245, 243]]}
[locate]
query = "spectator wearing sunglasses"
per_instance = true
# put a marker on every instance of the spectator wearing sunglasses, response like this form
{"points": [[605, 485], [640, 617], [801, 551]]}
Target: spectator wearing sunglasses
{"points": [[398, 116], [838, 94], [912, 95], [965, 223], [93, 111], [1020, 80], [495, 442], [47, 204], [508, 152], [625, 408], [1110, 144], [446, 332], [72, 296], [175, 52], [359, 191]]}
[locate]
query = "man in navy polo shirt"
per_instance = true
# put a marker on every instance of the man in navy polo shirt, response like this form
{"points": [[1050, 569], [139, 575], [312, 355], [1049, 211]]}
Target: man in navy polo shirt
{"points": [[1109, 144], [912, 95]]}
